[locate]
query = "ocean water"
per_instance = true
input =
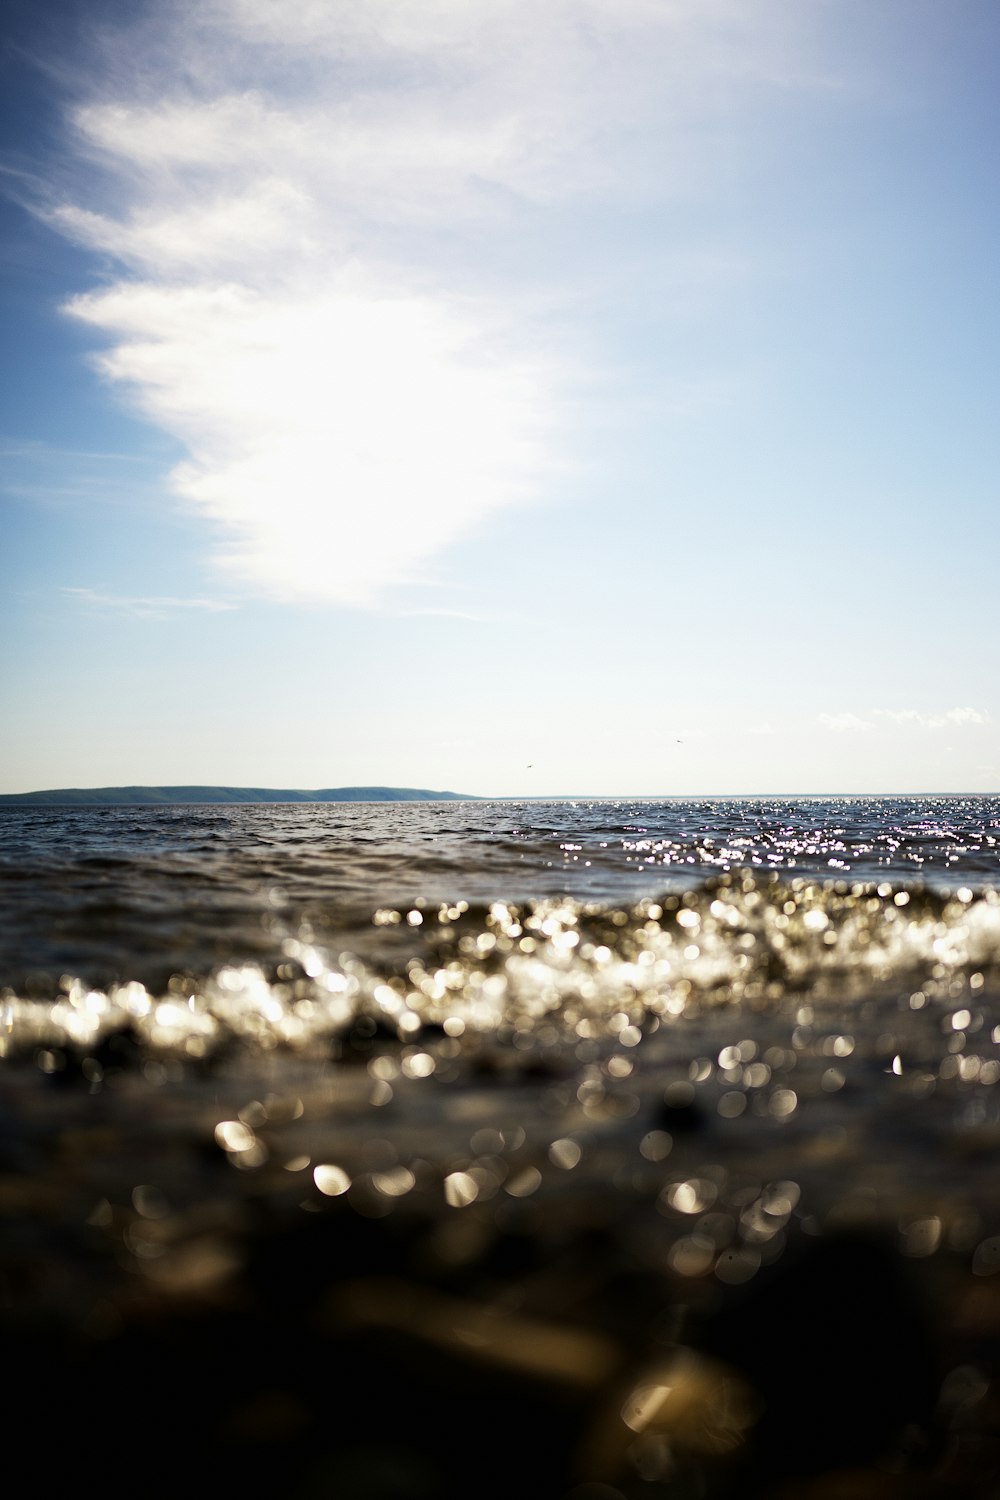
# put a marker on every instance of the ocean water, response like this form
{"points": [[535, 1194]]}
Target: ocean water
{"points": [[281, 923], [656, 1139]]}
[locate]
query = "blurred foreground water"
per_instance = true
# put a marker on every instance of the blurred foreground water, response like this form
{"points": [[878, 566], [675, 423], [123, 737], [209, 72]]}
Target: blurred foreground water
{"points": [[595, 1149]]}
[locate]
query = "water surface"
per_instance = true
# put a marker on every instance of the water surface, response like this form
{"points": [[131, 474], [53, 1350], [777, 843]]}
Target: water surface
{"points": [[539, 901]]}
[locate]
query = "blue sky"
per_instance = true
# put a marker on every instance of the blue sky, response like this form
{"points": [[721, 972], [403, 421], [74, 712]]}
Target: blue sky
{"points": [[591, 397]]}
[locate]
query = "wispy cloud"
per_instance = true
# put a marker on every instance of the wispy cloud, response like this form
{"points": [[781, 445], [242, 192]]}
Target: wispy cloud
{"points": [[324, 285], [443, 614], [46, 453], [51, 475], [844, 723], [148, 607], [847, 723], [946, 720]]}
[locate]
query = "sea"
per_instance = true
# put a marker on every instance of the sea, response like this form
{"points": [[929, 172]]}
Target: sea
{"points": [[656, 1137], [491, 907]]}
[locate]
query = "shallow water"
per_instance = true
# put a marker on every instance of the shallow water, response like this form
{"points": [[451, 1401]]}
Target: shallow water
{"points": [[517, 1057], [287, 920]]}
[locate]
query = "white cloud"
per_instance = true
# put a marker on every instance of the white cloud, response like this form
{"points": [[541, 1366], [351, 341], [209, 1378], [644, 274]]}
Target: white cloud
{"points": [[945, 720], [337, 439], [318, 284], [847, 723], [225, 232], [844, 723]]}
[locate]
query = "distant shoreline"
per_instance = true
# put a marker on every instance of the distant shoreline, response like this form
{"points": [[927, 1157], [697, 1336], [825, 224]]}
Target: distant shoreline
{"points": [[180, 796], [174, 796]]}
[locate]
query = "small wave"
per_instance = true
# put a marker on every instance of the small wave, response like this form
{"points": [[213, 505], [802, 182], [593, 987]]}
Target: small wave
{"points": [[557, 968]]}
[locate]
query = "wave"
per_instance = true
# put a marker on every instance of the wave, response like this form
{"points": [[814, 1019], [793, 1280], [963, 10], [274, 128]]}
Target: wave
{"points": [[547, 971]]}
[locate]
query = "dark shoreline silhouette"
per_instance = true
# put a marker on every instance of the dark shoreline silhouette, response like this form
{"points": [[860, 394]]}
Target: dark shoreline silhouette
{"points": [[158, 796]]}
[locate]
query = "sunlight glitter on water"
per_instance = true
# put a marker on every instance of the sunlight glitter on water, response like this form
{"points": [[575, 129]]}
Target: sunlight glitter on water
{"points": [[553, 966]]}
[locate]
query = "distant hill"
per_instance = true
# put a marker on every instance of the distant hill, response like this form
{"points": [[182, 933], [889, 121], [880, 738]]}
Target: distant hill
{"points": [[141, 796]]}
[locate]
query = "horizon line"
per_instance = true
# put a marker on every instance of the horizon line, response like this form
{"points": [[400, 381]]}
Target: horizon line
{"points": [[429, 796]]}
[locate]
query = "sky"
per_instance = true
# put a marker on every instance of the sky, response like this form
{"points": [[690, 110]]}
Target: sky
{"points": [[595, 397]]}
